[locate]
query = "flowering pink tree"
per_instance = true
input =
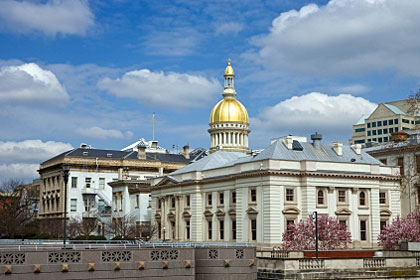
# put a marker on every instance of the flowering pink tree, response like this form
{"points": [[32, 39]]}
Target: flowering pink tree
{"points": [[331, 234], [401, 229]]}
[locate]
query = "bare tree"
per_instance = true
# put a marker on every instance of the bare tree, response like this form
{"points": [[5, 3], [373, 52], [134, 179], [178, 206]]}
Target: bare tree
{"points": [[17, 207], [123, 227], [84, 227]]}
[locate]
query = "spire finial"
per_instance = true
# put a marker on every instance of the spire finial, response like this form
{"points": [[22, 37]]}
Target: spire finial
{"points": [[229, 61]]}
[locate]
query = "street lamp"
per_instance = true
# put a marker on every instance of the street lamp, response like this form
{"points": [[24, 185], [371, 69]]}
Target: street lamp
{"points": [[164, 230], [66, 168], [315, 218]]}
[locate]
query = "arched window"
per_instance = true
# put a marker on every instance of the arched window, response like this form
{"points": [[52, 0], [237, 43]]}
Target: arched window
{"points": [[320, 197], [362, 199]]}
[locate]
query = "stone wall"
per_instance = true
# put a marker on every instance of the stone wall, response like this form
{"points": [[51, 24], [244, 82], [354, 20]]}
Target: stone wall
{"points": [[128, 262]]}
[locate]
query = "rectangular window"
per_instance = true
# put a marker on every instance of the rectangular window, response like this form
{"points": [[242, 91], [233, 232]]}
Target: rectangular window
{"points": [[253, 195], [373, 132], [173, 230], [209, 199], [379, 123], [396, 129], [374, 139], [405, 121], [209, 230], [360, 129], [88, 182], [159, 203], [173, 202], [391, 122], [391, 130], [233, 197], [382, 197], [400, 163], [343, 224], [368, 125], [374, 124], [221, 198], [187, 200], [101, 183], [115, 203], [137, 200], [385, 122], [359, 141], [380, 139], [363, 230], [369, 133], [74, 182], [395, 121], [385, 130], [187, 229], [233, 229], [73, 205], [379, 131], [342, 196], [253, 230], [222, 229], [405, 128], [121, 202], [383, 225], [290, 195]]}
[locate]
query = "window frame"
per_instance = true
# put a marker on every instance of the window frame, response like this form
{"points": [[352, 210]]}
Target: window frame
{"points": [[346, 196], [365, 198], [73, 208], [324, 203], [221, 198], [294, 195], [253, 198], [74, 182]]}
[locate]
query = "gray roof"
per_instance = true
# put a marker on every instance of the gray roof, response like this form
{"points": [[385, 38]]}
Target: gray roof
{"points": [[214, 160], [278, 150], [115, 154]]}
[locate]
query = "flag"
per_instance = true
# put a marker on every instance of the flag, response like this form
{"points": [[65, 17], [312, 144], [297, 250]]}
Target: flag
{"points": [[153, 117]]}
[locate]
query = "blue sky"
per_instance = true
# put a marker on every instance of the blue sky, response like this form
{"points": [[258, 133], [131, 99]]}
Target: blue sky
{"points": [[94, 71]]}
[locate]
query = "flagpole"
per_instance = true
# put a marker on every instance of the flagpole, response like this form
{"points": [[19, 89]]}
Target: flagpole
{"points": [[153, 127]]}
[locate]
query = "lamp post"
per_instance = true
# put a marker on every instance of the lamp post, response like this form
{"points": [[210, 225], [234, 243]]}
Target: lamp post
{"points": [[315, 218], [66, 168], [164, 231]]}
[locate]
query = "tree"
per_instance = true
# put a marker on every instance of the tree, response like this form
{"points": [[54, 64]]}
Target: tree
{"points": [[122, 227], [17, 207], [401, 230], [331, 234], [84, 227]]}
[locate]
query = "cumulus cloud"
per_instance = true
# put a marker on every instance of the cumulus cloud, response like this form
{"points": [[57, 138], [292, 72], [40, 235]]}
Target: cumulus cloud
{"points": [[100, 133], [172, 90], [229, 28], [20, 160], [55, 16], [345, 37], [312, 112], [30, 151], [29, 84], [22, 171]]}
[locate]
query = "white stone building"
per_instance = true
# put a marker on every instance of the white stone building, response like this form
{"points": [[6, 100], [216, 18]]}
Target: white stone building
{"points": [[233, 196]]}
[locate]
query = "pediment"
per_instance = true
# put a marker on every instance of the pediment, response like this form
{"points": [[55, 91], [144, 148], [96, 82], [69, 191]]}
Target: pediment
{"points": [[251, 211], [232, 212], [386, 212], [208, 213], [186, 214], [291, 211], [167, 181], [343, 212], [220, 213]]}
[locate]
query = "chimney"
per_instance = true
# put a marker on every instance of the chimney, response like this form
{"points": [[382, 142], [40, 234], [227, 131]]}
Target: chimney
{"points": [[338, 148], [316, 138], [357, 148], [141, 152], [154, 145], [288, 141], [186, 151]]}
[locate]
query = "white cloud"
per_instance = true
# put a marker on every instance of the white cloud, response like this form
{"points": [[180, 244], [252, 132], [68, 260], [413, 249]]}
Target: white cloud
{"points": [[55, 16], [331, 115], [353, 89], [172, 90], [100, 133], [21, 171], [229, 28], [345, 37], [29, 84], [30, 151]]}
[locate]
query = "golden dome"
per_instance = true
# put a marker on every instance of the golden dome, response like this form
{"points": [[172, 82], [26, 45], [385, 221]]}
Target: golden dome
{"points": [[229, 70], [229, 110]]}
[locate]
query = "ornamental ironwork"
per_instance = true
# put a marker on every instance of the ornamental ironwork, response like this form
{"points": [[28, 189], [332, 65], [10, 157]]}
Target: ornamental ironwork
{"points": [[213, 254], [116, 256], [12, 258], [239, 253], [64, 257]]}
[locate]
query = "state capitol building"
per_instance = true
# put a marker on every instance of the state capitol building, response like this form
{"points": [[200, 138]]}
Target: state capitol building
{"points": [[232, 195]]}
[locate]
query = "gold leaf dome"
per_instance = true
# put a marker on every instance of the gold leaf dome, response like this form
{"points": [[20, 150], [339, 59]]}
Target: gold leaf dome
{"points": [[229, 110]]}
